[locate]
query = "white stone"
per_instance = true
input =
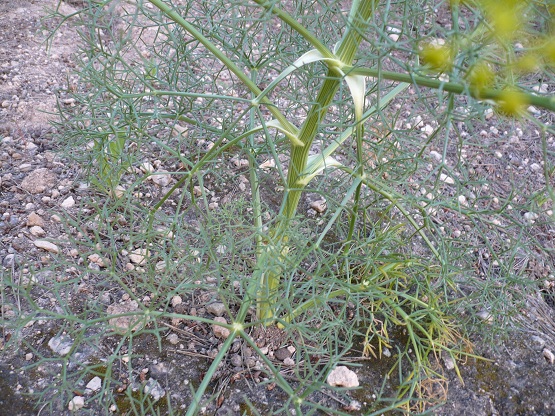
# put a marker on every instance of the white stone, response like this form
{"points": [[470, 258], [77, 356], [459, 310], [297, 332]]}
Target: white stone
{"points": [[154, 389], [147, 167], [448, 361], [342, 377], [161, 179], [319, 206], [122, 324], [173, 339], [179, 130], [76, 403], [37, 231], [94, 384], [47, 245], [69, 202], [447, 179], [427, 129], [61, 344], [216, 309], [118, 191], [268, 164], [220, 331], [197, 191], [436, 155], [530, 216], [176, 300], [138, 256], [289, 361], [485, 316], [549, 356]]}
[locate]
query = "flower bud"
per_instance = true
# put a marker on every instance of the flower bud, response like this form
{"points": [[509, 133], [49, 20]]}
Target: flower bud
{"points": [[437, 56]]}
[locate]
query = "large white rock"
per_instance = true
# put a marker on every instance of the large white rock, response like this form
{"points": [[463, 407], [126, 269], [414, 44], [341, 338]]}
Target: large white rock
{"points": [[342, 377]]}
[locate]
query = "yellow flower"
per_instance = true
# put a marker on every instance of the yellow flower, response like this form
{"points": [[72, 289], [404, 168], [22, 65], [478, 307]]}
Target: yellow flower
{"points": [[512, 102], [505, 17], [436, 56], [528, 62], [480, 76], [548, 50]]}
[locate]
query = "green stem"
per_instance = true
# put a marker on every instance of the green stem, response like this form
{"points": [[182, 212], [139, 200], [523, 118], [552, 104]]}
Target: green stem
{"points": [[296, 26], [168, 93], [255, 185], [269, 277], [547, 102], [193, 408], [177, 18]]}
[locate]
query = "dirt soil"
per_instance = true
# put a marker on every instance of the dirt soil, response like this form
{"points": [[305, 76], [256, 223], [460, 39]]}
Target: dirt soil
{"points": [[36, 184]]}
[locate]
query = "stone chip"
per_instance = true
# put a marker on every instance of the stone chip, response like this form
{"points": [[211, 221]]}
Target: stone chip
{"points": [[341, 376], [47, 245], [122, 324], [39, 181]]}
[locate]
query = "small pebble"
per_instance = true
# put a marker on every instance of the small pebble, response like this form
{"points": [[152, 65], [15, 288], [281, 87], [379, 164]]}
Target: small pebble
{"points": [[173, 339], [37, 231], [217, 309], [220, 331], [485, 316], [236, 360], [94, 384], [436, 155], [319, 206], [535, 167], [289, 361], [549, 356], [176, 300], [68, 203], [447, 179], [35, 220], [448, 361], [76, 403], [47, 245]]}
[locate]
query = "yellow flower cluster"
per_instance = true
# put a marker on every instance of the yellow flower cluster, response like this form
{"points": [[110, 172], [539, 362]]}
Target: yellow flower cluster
{"points": [[512, 102], [514, 43], [437, 56]]}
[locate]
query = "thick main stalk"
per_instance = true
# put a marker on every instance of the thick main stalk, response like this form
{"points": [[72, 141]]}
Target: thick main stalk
{"points": [[270, 263]]}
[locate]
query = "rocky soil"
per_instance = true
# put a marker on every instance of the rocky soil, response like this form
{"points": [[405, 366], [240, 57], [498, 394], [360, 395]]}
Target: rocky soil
{"points": [[39, 188]]}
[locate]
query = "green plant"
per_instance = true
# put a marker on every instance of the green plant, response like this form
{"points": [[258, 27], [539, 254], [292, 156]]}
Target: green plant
{"points": [[350, 88]]}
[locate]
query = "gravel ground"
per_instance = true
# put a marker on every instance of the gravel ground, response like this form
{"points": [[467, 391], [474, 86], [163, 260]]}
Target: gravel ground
{"points": [[38, 188]]}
